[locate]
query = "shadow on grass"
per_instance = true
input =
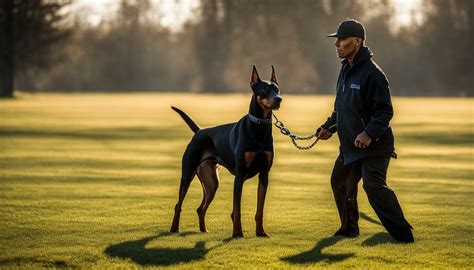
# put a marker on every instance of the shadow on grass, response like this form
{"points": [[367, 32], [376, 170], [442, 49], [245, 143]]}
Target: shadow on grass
{"points": [[379, 238], [131, 133], [440, 138], [316, 254], [137, 252], [20, 261]]}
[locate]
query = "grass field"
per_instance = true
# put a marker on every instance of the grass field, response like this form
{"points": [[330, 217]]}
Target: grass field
{"points": [[90, 181]]}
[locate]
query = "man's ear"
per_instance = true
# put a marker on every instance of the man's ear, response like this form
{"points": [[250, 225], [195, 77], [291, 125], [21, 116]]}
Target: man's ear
{"points": [[273, 78], [255, 79]]}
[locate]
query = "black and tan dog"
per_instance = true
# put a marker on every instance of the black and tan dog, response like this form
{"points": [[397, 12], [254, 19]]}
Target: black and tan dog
{"points": [[245, 148]]}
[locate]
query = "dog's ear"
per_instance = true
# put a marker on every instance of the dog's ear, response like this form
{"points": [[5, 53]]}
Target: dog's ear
{"points": [[274, 78], [254, 80]]}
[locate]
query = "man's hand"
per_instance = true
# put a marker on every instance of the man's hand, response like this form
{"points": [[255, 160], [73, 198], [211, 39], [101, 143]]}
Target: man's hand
{"points": [[323, 134], [363, 140]]}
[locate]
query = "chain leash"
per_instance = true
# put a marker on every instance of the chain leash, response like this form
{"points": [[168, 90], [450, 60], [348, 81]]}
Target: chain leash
{"points": [[285, 131]]}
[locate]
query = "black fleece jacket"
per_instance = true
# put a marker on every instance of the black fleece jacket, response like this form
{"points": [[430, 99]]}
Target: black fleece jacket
{"points": [[362, 103]]}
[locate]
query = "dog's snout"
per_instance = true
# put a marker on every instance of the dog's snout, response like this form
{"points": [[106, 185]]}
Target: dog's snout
{"points": [[277, 99]]}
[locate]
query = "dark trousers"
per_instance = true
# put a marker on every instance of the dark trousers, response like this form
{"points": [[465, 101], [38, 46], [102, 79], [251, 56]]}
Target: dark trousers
{"points": [[373, 171]]}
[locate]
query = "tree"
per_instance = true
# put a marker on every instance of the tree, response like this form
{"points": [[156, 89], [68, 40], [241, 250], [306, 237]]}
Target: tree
{"points": [[445, 42], [28, 31], [212, 42]]}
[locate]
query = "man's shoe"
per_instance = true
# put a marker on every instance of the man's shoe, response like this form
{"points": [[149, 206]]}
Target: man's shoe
{"points": [[340, 232], [404, 236], [353, 232]]}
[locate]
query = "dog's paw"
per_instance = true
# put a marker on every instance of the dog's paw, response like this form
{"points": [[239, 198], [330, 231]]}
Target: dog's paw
{"points": [[262, 234]]}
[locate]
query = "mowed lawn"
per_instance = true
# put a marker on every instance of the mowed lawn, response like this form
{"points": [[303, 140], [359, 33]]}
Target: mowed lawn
{"points": [[91, 180]]}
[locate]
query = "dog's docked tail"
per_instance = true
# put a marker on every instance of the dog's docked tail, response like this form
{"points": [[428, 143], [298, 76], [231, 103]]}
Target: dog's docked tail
{"points": [[187, 119]]}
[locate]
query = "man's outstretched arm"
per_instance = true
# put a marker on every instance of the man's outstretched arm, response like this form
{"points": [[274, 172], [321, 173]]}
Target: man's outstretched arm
{"points": [[329, 127]]}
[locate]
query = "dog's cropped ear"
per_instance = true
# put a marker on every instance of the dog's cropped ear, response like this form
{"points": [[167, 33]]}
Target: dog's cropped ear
{"points": [[254, 80], [274, 78]]}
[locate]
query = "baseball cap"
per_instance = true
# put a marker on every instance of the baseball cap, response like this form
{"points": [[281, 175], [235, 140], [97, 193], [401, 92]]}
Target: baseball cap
{"points": [[349, 28]]}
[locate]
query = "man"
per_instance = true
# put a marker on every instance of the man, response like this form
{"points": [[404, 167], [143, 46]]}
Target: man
{"points": [[362, 112]]}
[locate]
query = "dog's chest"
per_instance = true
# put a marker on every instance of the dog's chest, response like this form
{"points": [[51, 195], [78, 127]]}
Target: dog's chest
{"points": [[256, 162]]}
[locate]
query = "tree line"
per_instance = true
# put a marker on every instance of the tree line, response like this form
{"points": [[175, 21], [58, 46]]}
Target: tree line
{"points": [[216, 50]]}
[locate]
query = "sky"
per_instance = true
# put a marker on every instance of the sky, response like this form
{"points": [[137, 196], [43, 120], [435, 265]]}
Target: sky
{"points": [[174, 13], [408, 11]]}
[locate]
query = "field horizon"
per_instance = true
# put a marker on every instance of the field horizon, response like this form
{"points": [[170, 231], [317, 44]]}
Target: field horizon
{"points": [[90, 181]]}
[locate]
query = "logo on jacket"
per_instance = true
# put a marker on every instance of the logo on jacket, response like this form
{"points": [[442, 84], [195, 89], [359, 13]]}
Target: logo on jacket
{"points": [[355, 86]]}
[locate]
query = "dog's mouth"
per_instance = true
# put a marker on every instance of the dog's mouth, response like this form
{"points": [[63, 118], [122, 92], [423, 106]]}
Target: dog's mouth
{"points": [[273, 106], [270, 103]]}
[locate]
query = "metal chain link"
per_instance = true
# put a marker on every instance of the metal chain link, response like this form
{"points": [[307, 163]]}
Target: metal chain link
{"points": [[294, 137]]}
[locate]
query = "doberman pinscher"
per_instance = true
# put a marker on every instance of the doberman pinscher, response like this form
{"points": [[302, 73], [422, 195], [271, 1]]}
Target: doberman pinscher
{"points": [[245, 148]]}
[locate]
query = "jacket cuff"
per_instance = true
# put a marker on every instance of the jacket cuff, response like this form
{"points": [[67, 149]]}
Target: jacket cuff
{"points": [[326, 125], [330, 127], [374, 134], [371, 135]]}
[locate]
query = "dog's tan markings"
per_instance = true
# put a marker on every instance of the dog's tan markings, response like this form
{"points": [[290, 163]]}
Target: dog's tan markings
{"points": [[249, 158], [265, 105]]}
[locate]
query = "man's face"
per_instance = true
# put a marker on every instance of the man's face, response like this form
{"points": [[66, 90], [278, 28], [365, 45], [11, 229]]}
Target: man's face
{"points": [[347, 46]]}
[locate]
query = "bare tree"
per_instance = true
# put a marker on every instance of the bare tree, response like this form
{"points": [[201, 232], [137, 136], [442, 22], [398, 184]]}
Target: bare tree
{"points": [[212, 42], [445, 43], [214, 50]]}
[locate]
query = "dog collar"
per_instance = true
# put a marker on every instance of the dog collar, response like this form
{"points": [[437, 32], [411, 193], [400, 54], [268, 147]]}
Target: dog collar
{"points": [[259, 120]]}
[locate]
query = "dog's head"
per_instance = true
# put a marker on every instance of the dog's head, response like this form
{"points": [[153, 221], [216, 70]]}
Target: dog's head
{"points": [[267, 93]]}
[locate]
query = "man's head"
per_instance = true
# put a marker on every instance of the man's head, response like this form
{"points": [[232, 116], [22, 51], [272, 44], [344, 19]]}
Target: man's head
{"points": [[350, 37], [347, 47]]}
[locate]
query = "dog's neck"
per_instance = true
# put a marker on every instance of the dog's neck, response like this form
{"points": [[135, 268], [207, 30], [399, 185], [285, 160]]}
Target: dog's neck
{"points": [[256, 110], [259, 129]]}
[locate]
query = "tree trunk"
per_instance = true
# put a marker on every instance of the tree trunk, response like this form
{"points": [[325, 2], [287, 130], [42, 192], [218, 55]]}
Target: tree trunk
{"points": [[7, 61]]}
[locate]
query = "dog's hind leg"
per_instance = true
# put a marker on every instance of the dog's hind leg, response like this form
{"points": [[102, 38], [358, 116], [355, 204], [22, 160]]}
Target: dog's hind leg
{"points": [[207, 174], [189, 165]]}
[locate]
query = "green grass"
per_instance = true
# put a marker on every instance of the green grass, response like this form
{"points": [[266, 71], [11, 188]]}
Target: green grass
{"points": [[90, 181]]}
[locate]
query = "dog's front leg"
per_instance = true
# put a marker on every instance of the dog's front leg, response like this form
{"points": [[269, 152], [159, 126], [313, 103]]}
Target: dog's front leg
{"points": [[238, 185], [262, 191]]}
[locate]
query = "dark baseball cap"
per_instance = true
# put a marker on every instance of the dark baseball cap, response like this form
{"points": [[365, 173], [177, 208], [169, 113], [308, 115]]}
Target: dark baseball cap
{"points": [[349, 28]]}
